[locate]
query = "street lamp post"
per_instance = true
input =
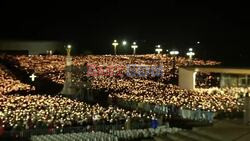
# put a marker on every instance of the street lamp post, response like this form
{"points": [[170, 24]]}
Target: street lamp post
{"points": [[115, 44], [174, 53], [199, 49], [134, 46], [167, 51], [190, 53], [68, 50], [124, 44], [68, 88], [68, 58], [158, 49]]}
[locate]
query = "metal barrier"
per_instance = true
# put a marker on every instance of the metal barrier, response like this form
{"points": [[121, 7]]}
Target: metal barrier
{"points": [[170, 110]]}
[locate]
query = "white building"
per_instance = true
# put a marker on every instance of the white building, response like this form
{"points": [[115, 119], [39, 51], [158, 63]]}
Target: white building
{"points": [[236, 77]]}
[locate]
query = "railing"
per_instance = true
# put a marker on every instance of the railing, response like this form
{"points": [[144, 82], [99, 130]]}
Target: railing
{"points": [[97, 126], [167, 110]]}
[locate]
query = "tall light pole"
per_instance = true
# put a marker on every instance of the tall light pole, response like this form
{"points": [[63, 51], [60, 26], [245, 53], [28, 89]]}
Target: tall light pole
{"points": [[174, 53], [68, 88], [199, 49], [134, 46], [115, 44], [158, 49], [190, 53], [167, 51], [68, 50], [124, 44]]}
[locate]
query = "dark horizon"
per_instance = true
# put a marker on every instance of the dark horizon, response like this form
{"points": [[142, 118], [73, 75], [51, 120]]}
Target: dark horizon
{"points": [[221, 28]]}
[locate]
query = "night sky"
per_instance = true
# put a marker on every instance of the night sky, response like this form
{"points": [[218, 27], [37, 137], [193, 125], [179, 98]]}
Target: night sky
{"points": [[222, 28]]}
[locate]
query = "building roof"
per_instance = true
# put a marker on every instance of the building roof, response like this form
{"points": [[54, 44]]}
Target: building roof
{"points": [[218, 69]]}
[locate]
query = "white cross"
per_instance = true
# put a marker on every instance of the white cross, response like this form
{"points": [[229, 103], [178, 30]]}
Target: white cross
{"points": [[190, 54], [33, 77], [115, 44], [134, 46], [158, 50]]}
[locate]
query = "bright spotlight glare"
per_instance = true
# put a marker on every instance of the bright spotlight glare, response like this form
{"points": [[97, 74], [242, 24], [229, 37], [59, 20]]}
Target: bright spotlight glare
{"points": [[68, 46], [124, 43]]}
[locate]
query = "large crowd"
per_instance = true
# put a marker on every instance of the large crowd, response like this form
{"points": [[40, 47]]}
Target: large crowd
{"points": [[9, 83], [207, 80], [32, 111], [236, 92], [36, 110], [52, 66], [139, 89], [149, 91]]}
